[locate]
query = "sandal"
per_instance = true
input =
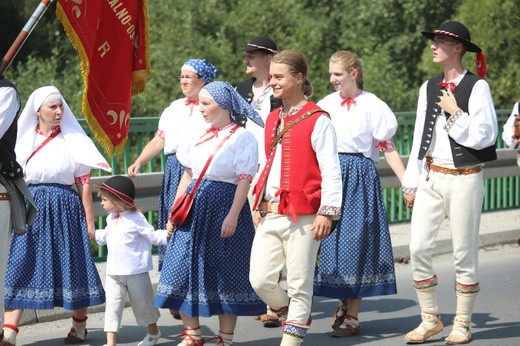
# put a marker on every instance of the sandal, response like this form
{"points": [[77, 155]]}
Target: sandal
{"points": [[339, 315], [349, 327], [191, 339], [72, 337]]}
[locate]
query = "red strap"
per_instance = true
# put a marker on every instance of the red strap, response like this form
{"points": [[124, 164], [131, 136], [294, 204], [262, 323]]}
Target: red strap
{"points": [[53, 135], [195, 187], [12, 327], [79, 320]]}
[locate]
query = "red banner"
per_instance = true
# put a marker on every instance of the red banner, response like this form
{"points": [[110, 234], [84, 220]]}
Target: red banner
{"points": [[111, 37]]}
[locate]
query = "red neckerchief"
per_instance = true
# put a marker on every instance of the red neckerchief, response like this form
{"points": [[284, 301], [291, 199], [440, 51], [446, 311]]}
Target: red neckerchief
{"points": [[192, 104], [213, 132], [447, 85], [350, 100]]}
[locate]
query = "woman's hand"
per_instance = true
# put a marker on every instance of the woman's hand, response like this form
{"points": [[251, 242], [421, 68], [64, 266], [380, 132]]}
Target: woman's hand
{"points": [[169, 228], [229, 226]]}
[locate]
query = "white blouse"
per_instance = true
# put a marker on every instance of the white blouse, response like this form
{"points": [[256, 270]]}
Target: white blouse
{"points": [[178, 123], [129, 239], [53, 163], [238, 156], [360, 129]]}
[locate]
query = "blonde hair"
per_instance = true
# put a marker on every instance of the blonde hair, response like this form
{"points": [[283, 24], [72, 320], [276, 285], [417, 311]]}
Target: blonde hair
{"points": [[349, 61], [297, 64], [115, 200]]}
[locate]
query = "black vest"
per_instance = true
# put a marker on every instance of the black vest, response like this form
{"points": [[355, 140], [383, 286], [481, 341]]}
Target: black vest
{"points": [[245, 89], [462, 156], [9, 168]]}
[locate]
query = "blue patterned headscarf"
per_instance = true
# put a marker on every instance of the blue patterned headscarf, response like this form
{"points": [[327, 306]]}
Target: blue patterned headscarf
{"points": [[228, 98], [204, 68]]}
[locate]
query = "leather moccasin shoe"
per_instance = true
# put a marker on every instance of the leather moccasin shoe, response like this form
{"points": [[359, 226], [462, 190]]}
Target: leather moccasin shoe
{"points": [[270, 321], [414, 337], [458, 338], [346, 330]]}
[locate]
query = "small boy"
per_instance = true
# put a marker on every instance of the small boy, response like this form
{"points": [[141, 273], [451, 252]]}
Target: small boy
{"points": [[129, 237]]}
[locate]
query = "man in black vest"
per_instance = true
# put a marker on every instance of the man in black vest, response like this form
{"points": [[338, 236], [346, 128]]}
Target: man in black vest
{"points": [[455, 133], [259, 94], [13, 212], [256, 90]]}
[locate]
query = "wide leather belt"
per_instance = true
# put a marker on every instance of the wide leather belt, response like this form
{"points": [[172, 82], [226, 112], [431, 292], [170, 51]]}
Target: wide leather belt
{"points": [[455, 171], [4, 196], [268, 207]]}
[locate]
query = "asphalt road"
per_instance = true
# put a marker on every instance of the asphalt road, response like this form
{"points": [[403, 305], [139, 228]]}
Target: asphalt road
{"points": [[384, 320]]}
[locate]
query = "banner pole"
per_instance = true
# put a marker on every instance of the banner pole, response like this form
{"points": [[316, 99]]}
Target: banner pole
{"points": [[22, 36]]}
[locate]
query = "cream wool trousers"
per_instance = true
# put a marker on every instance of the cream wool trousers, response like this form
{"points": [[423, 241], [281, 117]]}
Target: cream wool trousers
{"points": [[459, 198], [279, 242]]}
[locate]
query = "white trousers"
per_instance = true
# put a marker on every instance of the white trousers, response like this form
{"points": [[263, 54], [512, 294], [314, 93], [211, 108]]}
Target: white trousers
{"points": [[459, 198], [280, 242], [140, 293], [5, 242]]}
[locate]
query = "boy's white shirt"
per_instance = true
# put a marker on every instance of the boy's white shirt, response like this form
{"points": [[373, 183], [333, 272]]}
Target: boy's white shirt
{"points": [[129, 239]]}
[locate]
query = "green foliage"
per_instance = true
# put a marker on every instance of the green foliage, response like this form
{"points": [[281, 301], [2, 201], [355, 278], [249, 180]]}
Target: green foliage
{"points": [[384, 33]]}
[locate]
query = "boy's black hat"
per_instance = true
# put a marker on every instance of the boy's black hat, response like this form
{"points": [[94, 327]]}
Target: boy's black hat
{"points": [[122, 187]]}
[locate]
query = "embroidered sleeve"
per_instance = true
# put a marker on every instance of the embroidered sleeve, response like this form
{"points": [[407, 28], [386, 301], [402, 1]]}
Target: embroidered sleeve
{"points": [[409, 190], [160, 133], [329, 210], [84, 179], [244, 176], [386, 145], [452, 119]]}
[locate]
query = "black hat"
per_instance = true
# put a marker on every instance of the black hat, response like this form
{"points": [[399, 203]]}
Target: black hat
{"points": [[262, 43], [122, 187], [457, 30]]}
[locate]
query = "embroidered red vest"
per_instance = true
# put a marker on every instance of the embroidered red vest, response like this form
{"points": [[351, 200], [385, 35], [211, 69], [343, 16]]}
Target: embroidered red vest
{"points": [[300, 179]]}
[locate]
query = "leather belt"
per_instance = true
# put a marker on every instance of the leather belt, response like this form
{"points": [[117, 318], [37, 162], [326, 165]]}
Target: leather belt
{"points": [[455, 171], [268, 207], [4, 196]]}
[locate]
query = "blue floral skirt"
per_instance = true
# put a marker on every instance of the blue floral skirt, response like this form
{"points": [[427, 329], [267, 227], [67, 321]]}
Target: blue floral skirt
{"points": [[51, 265], [204, 274], [173, 171], [356, 260]]}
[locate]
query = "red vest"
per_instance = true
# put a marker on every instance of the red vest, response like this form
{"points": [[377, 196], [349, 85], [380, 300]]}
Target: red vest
{"points": [[300, 180]]}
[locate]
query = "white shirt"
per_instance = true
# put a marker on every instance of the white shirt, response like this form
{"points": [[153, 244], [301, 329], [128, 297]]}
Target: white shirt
{"points": [[263, 107], [238, 155], [360, 129], [8, 108], [508, 130], [477, 129], [129, 239], [53, 163], [180, 122], [323, 141]]}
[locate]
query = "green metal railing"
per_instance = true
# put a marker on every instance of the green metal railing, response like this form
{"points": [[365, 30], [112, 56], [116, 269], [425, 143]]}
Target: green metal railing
{"points": [[501, 193]]}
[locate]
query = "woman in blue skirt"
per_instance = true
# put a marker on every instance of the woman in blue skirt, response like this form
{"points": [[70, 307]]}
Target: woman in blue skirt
{"points": [[178, 122], [356, 260], [206, 267], [52, 265]]}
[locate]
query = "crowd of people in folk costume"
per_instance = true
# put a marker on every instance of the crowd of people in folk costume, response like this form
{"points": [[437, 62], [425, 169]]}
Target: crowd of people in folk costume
{"points": [[288, 202]]}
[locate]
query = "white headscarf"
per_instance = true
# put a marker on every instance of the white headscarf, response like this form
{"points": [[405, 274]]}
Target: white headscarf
{"points": [[81, 146]]}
